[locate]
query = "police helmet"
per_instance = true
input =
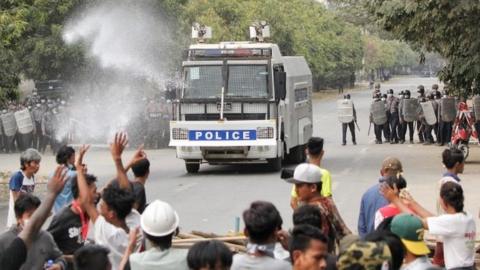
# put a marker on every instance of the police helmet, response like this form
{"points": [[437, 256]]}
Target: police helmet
{"points": [[347, 96], [377, 86], [435, 87], [390, 91]]}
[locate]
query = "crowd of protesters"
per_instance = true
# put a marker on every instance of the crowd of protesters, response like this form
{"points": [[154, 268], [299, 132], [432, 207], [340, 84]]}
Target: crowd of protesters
{"points": [[113, 227]]}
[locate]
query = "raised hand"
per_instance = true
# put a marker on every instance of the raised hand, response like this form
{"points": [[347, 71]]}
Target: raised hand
{"points": [[81, 154], [118, 145], [389, 193], [56, 183], [138, 155]]}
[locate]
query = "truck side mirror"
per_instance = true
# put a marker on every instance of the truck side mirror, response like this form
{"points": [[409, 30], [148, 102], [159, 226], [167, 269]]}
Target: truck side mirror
{"points": [[280, 85]]}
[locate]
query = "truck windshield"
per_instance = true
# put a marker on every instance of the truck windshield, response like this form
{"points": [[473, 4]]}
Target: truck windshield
{"points": [[203, 82], [247, 81]]}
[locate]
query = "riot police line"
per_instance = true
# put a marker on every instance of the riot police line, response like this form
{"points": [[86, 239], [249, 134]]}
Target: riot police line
{"points": [[396, 119], [430, 114], [40, 122]]}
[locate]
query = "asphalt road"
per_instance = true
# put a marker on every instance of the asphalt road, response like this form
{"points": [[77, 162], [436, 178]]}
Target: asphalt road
{"points": [[210, 200]]}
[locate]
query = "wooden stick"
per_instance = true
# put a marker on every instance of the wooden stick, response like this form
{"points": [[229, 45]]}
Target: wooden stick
{"points": [[212, 235], [223, 239]]}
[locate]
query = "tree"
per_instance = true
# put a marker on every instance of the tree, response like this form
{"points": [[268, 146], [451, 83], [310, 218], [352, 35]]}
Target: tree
{"points": [[332, 48], [449, 28]]}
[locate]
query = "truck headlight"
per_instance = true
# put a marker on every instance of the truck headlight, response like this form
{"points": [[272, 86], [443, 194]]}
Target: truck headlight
{"points": [[265, 133], [180, 133]]}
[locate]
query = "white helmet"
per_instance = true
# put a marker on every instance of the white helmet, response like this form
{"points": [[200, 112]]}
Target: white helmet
{"points": [[159, 219]]}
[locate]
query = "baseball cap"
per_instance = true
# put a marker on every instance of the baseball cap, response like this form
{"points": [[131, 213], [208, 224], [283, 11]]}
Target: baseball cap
{"points": [[305, 173], [410, 230], [392, 163], [363, 255]]}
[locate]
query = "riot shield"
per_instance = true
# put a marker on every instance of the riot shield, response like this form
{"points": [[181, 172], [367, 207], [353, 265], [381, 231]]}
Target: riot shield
{"points": [[410, 109], [9, 124], [24, 121], [429, 113], [448, 109], [476, 107], [345, 110], [379, 114]]}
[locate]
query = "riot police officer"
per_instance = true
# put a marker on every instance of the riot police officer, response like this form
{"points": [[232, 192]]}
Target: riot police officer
{"points": [[393, 117], [427, 130], [446, 115], [351, 124], [420, 128], [153, 116], [378, 116], [37, 113], [407, 115]]}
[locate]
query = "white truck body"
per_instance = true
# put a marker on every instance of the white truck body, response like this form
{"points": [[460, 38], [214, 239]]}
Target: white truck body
{"points": [[227, 111]]}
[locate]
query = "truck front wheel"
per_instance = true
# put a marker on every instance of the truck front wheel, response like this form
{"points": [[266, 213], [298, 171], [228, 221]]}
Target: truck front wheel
{"points": [[192, 167], [275, 164]]}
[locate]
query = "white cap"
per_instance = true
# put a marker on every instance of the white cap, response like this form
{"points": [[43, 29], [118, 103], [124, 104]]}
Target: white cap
{"points": [[159, 219], [306, 173]]}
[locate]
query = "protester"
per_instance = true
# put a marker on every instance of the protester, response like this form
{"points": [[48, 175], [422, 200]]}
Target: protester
{"points": [[115, 217], [43, 247], [71, 226], [454, 162], [17, 252], [92, 257], [372, 200], [262, 223], [308, 248], [315, 155], [306, 178], [141, 171], [23, 181], [209, 255], [410, 230], [159, 223], [363, 255], [390, 210], [394, 246], [65, 156], [456, 227], [311, 215]]}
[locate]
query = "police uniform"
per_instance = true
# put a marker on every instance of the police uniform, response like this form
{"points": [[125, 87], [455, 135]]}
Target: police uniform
{"points": [[444, 127], [403, 125], [350, 125], [393, 117], [153, 116], [377, 128], [420, 126]]}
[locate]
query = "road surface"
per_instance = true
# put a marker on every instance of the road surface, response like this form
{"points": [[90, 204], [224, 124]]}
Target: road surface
{"points": [[210, 200]]}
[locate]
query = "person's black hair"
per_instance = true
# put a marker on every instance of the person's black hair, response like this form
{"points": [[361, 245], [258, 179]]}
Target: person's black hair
{"points": [[394, 244], [64, 154], [315, 146], [90, 180], [119, 200], [452, 156], [452, 194], [209, 255], [397, 181], [91, 257], [385, 224], [162, 242], [262, 219], [141, 168], [307, 214], [301, 236], [25, 202]]}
